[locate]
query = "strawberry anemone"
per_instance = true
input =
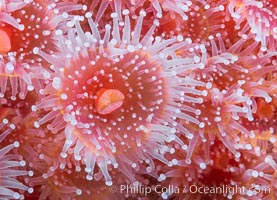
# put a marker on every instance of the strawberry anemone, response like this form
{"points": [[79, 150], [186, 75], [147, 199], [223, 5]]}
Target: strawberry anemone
{"points": [[25, 25], [202, 19], [11, 163], [118, 95], [235, 79], [221, 176], [257, 17]]}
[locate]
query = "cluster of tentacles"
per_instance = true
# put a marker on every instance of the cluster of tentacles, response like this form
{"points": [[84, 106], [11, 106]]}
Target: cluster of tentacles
{"points": [[138, 99]]}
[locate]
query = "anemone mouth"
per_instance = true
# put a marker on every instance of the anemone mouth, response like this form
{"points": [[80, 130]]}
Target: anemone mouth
{"points": [[16, 41], [5, 42], [108, 100]]}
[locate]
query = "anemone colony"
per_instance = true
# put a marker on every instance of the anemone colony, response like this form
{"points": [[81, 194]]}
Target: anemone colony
{"points": [[179, 94]]}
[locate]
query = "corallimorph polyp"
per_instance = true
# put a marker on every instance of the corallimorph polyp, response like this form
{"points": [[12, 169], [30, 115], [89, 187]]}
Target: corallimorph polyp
{"points": [[117, 95], [11, 164], [25, 25], [222, 176], [258, 17]]}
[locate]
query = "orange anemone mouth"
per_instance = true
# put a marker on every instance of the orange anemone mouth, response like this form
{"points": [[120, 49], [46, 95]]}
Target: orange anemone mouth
{"points": [[5, 42], [108, 100]]}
